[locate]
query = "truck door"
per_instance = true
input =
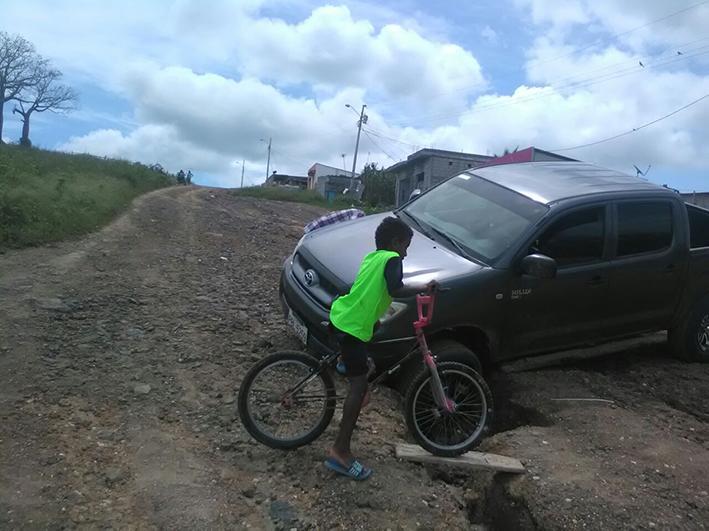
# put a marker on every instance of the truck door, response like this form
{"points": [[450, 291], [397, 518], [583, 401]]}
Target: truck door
{"points": [[649, 257], [572, 308]]}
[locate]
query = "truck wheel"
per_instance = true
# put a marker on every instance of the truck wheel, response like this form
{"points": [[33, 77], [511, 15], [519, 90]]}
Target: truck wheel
{"points": [[690, 342], [444, 350], [451, 350]]}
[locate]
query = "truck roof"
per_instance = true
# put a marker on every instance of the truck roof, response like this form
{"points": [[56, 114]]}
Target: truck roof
{"points": [[548, 182]]}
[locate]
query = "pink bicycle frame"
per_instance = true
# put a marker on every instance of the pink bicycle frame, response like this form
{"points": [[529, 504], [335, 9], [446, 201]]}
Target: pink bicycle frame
{"points": [[424, 306]]}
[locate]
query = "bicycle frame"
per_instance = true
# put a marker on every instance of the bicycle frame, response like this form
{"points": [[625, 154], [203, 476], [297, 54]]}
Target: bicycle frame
{"points": [[425, 304]]}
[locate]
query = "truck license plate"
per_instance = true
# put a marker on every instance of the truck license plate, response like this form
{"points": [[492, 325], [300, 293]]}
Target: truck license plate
{"points": [[301, 331]]}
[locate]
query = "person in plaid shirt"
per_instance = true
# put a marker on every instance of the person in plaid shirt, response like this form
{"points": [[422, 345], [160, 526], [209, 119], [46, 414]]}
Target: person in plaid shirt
{"points": [[333, 217]]}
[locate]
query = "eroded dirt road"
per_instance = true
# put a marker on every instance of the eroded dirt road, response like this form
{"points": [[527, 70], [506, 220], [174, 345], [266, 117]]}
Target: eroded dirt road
{"points": [[120, 356]]}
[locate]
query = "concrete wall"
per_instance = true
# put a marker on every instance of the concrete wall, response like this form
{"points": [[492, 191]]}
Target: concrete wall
{"points": [[700, 199]]}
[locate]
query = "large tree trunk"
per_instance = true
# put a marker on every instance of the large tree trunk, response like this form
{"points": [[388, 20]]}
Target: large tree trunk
{"points": [[2, 107], [25, 139]]}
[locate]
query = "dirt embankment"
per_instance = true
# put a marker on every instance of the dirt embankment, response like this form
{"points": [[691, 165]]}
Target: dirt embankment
{"points": [[120, 356]]}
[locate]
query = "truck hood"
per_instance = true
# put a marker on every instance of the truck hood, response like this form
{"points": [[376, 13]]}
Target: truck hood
{"points": [[340, 248]]}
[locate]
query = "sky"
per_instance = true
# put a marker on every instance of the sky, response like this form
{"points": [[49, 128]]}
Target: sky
{"points": [[203, 84]]}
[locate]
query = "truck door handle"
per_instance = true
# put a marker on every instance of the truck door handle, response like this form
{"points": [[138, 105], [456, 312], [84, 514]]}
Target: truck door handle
{"points": [[669, 269], [596, 280]]}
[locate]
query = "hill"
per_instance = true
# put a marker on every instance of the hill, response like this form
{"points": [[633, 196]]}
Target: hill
{"points": [[48, 196]]}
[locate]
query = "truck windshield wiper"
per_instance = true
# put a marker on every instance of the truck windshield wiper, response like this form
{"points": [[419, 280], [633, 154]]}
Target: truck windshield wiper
{"points": [[416, 222], [452, 241]]}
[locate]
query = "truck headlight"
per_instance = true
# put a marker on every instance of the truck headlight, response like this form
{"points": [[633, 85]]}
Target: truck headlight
{"points": [[395, 308]]}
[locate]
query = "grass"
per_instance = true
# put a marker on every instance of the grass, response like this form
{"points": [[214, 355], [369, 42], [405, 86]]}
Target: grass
{"points": [[47, 196], [308, 197]]}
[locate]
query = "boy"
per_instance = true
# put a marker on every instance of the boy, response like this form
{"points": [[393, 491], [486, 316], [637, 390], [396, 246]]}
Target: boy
{"points": [[354, 317]]}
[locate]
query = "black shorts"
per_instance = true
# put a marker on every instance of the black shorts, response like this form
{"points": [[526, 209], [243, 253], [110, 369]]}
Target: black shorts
{"points": [[354, 354]]}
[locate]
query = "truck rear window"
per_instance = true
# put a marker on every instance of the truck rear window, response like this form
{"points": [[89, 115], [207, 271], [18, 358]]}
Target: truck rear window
{"points": [[644, 227], [698, 227]]}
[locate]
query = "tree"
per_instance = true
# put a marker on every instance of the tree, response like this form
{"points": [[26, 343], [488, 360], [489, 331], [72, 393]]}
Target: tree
{"points": [[45, 93], [379, 186], [18, 61]]}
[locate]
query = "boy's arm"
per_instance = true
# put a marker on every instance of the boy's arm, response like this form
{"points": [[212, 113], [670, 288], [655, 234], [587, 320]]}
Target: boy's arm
{"points": [[393, 273]]}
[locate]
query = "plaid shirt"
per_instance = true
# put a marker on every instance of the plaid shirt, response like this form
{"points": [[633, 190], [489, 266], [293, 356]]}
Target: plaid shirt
{"points": [[333, 217]]}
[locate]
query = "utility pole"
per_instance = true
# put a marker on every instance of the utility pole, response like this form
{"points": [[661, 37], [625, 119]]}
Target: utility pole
{"points": [[243, 163], [268, 161], [344, 166], [362, 120]]}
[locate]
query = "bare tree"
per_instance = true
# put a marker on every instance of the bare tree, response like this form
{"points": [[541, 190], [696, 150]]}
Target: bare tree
{"points": [[44, 94], [17, 66]]}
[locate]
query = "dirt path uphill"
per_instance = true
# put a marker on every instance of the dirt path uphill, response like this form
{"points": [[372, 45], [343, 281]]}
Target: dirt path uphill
{"points": [[119, 358]]}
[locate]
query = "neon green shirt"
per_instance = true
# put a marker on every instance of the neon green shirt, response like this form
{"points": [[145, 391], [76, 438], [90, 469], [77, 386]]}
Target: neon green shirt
{"points": [[357, 312]]}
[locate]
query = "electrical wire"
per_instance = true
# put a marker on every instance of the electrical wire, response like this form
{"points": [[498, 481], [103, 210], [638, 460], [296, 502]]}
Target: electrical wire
{"points": [[635, 129]]}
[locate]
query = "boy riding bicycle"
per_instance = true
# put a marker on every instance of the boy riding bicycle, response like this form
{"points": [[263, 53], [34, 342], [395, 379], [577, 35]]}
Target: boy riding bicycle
{"points": [[354, 317]]}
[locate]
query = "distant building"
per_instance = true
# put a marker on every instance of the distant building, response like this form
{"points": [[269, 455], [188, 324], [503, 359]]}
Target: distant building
{"points": [[530, 154], [701, 199], [329, 181], [278, 179], [428, 167]]}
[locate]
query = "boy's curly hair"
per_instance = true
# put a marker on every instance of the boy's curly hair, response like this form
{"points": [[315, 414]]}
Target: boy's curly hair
{"points": [[391, 229]]}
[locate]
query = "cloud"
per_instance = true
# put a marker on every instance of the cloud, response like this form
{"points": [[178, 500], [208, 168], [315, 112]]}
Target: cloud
{"points": [[206, 84], [489, 34]]}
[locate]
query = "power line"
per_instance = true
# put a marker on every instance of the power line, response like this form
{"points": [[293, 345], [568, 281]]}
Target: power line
{"points": [[616, 35], [643, 126], [378, 146], [553, 90]]}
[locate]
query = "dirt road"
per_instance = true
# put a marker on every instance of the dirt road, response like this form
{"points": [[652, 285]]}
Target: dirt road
{"points": [[120, 356]]}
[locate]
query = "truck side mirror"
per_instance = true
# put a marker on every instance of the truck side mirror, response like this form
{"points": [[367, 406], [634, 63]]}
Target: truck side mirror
{"points": [[539, 265]]}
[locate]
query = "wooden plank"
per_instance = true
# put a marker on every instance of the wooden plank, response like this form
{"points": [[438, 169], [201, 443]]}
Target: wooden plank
{"points": [[474, 460], [584, 353]]}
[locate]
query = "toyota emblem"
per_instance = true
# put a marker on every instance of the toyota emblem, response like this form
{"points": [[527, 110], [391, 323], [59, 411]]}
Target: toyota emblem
{"points": [[311, 277]]}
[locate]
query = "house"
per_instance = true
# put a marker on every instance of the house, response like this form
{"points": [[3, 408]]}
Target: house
{"points": [[279, 179], [701, 199], [329, 181], [530, 154], [428, 167]]}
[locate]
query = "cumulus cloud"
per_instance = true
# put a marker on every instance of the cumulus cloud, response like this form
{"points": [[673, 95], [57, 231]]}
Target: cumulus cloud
{"points": [[206, 84]]}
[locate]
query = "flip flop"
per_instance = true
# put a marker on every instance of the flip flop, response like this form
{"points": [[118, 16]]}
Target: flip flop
{"points": [[356, 471]]}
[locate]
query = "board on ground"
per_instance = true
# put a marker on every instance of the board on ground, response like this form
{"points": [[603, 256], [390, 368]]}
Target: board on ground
{"points": [[476, 460]]}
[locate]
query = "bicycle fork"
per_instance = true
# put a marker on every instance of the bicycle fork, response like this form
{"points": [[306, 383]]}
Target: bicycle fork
{"points": [[439, 395]]}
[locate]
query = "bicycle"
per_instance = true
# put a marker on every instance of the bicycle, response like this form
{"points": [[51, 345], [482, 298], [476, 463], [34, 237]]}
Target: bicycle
{"points": [[448, 406]]}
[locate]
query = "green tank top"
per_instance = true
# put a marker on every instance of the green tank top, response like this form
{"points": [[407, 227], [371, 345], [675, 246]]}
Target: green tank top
{"points": [[357, 312]]}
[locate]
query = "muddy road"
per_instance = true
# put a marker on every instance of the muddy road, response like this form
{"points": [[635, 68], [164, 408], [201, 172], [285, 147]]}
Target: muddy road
{"points": [[120, 357]]}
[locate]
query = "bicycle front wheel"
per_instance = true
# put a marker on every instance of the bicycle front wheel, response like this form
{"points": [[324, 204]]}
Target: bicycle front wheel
{"points": [[286, 401], [443, 433]]}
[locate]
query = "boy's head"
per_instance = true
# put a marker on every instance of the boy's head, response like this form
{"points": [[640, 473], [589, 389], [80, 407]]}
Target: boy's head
{"points": [[393, 235]]}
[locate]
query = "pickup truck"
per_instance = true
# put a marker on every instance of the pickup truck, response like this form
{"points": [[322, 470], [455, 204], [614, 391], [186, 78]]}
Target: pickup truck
{"points": [[540, 257]]}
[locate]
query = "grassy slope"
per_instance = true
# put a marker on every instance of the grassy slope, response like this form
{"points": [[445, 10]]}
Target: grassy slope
{"points": [[47, 196], [308, 197]]}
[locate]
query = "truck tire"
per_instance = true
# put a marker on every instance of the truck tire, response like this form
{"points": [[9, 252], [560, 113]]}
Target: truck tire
{"points": [[443, 350], [690, 341]]}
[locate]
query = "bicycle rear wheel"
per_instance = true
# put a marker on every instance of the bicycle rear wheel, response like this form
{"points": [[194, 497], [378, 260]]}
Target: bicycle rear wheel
{"points": [[449, 434], [277, 415]]}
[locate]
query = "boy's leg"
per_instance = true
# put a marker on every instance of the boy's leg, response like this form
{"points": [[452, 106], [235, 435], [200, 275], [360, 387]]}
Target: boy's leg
{"points": [[354, 355], [350, 412]]}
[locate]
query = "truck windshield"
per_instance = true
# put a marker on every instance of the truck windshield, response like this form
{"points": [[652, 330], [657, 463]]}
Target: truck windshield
{"points": [[477, 216]]}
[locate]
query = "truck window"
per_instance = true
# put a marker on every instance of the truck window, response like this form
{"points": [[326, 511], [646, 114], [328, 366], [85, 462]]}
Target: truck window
{"points": [[698, 227], [644, 227], [576, 238]]}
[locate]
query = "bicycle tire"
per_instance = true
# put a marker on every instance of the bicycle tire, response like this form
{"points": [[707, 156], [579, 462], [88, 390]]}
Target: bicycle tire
{"points": [[416, 401], [246, 412]]}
